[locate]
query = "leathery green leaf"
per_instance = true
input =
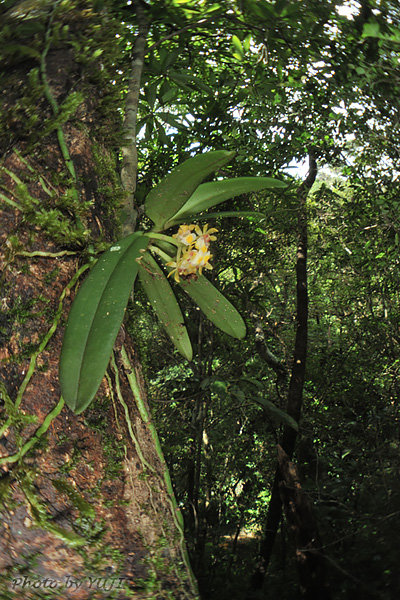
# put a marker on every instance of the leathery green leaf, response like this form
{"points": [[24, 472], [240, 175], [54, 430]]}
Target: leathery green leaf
{"points": [[168, 197], [215, 306], [225, 214], [95, 319], [210, 194], [277, 414], [164, 303]]}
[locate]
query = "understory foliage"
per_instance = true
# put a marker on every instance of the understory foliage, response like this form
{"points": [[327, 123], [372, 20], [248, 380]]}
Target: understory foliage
{"points": [[215, 426], [270, 82]]}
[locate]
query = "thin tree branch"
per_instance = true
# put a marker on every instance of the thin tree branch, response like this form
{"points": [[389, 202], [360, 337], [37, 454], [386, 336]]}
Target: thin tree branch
{"points": [[170, 36], [129, 151], [263, 350]]}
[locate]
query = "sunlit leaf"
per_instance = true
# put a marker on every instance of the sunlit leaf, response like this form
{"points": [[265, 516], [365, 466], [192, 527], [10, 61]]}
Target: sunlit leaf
{"points": [[247, 42], [170, 119], [170, 58], [238, 46], [213, 193], [371, 30], [97, 53], [168, 197], [164, 303], [95, 319]]}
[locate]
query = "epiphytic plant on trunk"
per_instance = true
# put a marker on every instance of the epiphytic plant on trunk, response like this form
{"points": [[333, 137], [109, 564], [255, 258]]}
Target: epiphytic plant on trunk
{"points": [[98, 310]]}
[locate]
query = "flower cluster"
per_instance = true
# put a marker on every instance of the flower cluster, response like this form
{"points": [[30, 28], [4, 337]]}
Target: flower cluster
{"points": [[194, 254]]}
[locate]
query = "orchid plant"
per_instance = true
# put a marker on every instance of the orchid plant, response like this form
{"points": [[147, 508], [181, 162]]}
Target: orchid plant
{"points": [[153, 257]]}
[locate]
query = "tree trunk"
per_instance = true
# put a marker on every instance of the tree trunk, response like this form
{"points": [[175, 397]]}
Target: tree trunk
{"points": [[295, 393], [299, 514], [87, 505]]}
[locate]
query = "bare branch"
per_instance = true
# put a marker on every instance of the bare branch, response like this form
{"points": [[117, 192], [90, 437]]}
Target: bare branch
{"points": [[129, 151]]}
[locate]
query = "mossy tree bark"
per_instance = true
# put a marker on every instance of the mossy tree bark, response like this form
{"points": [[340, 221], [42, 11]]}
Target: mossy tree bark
{"points": [[87, 506]]}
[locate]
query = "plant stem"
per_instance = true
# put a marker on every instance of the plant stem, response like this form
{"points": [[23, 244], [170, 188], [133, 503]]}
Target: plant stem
{"points": [[165, 238], [34, 439], [42, 346]]}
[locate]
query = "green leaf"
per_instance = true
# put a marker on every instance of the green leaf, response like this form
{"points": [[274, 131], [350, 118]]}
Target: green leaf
{"points": [[215, 306], [277, 413], [149, 128], [170, 120], [238, 56], [95, 319], [151, 94], [247, 43], [225, 214], [219, 386], [22, 50], [371, 30], [97, 53], [168, 197], [167, 93], [190, 82], [254, 381], [170, 58], [238, 47], [164, 303], [213, 193]]}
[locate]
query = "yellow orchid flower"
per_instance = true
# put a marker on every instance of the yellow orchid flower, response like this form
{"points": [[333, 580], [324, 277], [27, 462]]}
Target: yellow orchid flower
{"points": [[185, 234], [196, 256], [205, 236]]}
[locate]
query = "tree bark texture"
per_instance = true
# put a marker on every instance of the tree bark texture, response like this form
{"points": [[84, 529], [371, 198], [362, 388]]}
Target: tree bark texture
{"points": [[129, 150], [87, 508]]}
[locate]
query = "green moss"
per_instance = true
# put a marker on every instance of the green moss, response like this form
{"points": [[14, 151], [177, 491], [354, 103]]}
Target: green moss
{"points": [[26, 350], [93, 531], [48, 215], [14, 417], [23, 310], [114, 450], [23, 118], [76, 456], [40, 515], [87, 511], [5, 487], [159, 569], [65, 112], [109, 189], [51, 276]]}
